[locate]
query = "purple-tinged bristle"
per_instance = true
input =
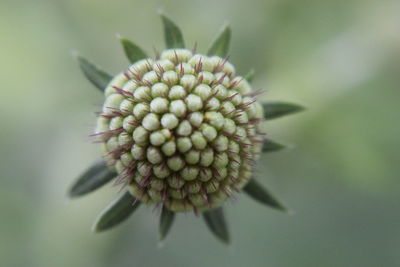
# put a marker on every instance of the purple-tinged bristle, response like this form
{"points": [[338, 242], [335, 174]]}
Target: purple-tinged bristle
{"points": [[122, 92], [176, 62], [110, 132], [256, 93], [235, 83], [230, 97], [199, 66]]}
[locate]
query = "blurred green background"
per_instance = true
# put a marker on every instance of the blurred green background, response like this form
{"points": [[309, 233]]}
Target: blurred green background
{"points": [[339, 58]]}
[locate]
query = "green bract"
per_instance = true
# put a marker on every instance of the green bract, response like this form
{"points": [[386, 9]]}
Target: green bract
{"points": [[181, 130]]}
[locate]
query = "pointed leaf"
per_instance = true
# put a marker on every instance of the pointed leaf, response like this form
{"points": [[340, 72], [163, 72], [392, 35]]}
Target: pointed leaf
{"points": [[132, 51], [96, 76], [259, 193], [274, 110], [220, 45], [215, 221], [250, 75], [271, 146], [93, 178], [172, 33], [166, 220], [116, 212]]}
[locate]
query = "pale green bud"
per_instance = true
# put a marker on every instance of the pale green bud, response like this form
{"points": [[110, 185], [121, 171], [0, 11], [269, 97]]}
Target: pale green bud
{"points": [[165, 64], [196, 119], [198, 140], [184, 68], [205, 174], [138, 152], [126, 158], [170, 77], [140, 110], [159, 90], [157, 138], [203, 91], [142, 93], [161, 171], [222, 78], [176, 92], [174, 54], [159, 105], [213, 104], [112, 102], [140, 135], [130, 86], [189, 173], [151, 77], [178, 108], [126, 106], [128, 123], [206, 157], [188, 81], [151, 122], [124, 138], [169, 121], [208, 132], [115, 123], [118, 81], [206, 77], [175, 163], [192, 157], [169, 148], [184, 144], [184, 128], [194, 102], [154, 155], [215, 119]]}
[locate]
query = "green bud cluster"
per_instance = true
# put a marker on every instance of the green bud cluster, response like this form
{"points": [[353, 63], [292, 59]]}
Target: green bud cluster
{"points": [[182, 130]]}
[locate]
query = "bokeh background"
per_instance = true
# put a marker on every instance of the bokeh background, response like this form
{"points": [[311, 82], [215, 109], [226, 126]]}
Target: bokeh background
{"points": [[339, 58]]}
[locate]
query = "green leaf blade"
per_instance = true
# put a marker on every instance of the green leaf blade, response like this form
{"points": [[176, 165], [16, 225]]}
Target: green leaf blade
{"points": [[95, 75], [220, 46], [117, 212], [215, 221], [271, 146], [259, 193], [172, 33], [166, 221], [93, 178], [132, 51], [274, 110]]}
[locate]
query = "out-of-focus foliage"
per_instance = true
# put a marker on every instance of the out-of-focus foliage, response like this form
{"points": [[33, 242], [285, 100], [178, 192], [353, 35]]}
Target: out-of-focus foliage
{"points": [[338, 58]]}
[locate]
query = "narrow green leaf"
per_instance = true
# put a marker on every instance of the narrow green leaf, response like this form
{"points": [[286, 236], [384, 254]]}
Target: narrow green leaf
{"points": [[132, 51], [215, 221], [166, 220], [274, 110], [259, 193], [220, 45], [116, 212], [172, 33], [93, 178], [250, 75], [271, 146], [96, 76]]}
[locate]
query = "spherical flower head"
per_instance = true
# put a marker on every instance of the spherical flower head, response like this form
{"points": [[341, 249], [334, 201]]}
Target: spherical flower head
{"points": [[182, 130]]}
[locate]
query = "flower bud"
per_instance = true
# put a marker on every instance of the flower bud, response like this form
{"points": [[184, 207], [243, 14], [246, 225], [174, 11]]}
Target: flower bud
{"points": [[182, 129]]}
